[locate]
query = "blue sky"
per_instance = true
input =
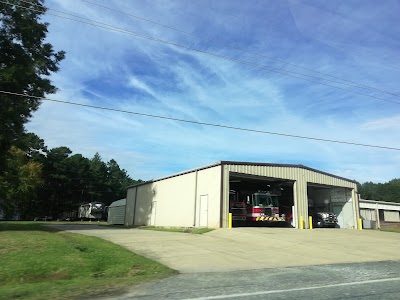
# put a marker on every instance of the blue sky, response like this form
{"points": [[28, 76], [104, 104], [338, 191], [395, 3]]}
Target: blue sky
{"points": [[353, 40]]}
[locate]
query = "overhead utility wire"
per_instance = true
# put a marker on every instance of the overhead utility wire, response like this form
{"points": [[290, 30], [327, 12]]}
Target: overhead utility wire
{"points": [[344, 81], [202, 123], [244, 62], [349, 82]]}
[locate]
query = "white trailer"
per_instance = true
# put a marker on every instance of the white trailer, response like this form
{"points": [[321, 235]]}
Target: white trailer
{"points": [[91, 211]]}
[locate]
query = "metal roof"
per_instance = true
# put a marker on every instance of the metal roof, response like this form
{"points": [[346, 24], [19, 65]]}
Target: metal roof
{"points": [[224, 162], [121, 202], [379, 202]]}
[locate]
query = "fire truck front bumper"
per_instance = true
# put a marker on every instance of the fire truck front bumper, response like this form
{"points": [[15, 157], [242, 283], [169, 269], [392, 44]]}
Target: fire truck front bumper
{"points": [[270, 219]]}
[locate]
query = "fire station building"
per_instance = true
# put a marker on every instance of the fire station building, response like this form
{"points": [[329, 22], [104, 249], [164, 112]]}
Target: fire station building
{"points": [[201, 197]]}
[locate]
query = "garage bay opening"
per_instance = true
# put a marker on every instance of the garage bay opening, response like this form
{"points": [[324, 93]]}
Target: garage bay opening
{"points": [[330, 206], [260, 201]]}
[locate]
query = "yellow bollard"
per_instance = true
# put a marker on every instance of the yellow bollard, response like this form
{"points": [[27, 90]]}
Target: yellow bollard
{"points": [[360, 224], [301, 222], [310, 222], [230, 220]]}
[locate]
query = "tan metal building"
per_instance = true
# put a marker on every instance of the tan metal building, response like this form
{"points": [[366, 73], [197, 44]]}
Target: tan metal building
{"points": [[383, 214], [200, 197]]}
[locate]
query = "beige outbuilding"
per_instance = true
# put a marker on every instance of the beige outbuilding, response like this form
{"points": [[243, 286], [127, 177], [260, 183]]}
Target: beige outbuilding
{"points": [[200, 197], [379, 214]]}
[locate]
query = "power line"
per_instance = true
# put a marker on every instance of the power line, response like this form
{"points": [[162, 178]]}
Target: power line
{"points": [[201, 123], [350, 82], [228, 58], [273, 69]]}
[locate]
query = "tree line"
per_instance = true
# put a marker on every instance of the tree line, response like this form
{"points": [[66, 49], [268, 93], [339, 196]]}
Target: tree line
{"points": [[388, 191], [35, 180]]}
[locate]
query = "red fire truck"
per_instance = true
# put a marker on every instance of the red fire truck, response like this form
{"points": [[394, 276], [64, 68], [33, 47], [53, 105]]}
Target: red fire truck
{"points": [[258, 207]]}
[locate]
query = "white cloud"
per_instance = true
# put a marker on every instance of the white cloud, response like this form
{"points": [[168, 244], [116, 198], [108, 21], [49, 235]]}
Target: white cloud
{"points": [[141, 85], [391, 123]]}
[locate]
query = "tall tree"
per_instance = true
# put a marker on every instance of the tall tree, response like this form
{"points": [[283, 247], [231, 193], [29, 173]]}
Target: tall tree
{"points": [[118, 181], [26, 61], [77, 183], [19, 184], [33, 145], [55, 180], [98, 173]]}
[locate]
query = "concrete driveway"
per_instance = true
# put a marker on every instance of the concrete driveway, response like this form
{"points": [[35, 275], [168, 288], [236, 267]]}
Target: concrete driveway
{"points": [[236, 249]]}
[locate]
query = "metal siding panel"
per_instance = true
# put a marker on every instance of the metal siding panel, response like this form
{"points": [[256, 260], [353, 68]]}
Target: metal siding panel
{"points": [[144, 198], [209, 183], [364, 213], [225, 196], [116, 215], [368, 214], [388, 207], [291, 173], [172, 193], [356, 207], [391, 216], [281, 172], [380, 206], [130, 205], [367, 205], [302, 200]]}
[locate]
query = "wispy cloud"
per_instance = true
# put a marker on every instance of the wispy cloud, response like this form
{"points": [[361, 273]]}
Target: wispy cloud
{"points": [[388, 124], [134, 82], [123, 72]]}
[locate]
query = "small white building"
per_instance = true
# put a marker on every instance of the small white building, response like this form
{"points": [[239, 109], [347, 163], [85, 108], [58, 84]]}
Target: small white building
{"points": [[383, 214], [200, 197]]}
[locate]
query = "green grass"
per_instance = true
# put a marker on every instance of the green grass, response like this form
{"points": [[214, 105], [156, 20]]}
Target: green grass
{"points": [[37, 262], [182, 230], [391, 230], [70, 222]]}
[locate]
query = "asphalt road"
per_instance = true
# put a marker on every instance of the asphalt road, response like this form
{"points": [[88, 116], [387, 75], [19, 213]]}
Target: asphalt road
{"points": [[373, 280]]}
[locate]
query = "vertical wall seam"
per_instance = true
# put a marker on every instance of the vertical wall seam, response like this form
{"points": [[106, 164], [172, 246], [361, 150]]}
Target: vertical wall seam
{"points": [[195, 199], [134, 207], [221, 196]]}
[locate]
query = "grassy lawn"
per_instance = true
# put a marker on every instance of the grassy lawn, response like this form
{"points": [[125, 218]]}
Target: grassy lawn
{"points": [[182, 230], [37, 262], [391, 230]]}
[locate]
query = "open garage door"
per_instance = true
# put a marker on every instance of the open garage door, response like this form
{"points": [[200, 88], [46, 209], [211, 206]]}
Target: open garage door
{"points": [[330, 206], [260, 201]]}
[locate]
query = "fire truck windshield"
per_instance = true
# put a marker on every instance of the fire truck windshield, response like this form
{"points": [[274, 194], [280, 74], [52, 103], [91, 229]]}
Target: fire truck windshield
{"points": [[265, 200]]}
